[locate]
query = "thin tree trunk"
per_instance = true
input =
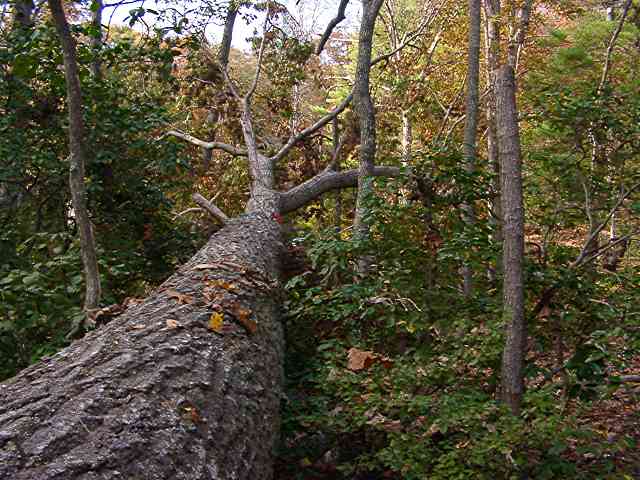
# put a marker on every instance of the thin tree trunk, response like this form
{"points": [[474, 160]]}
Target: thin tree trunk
{"points": [[364, 108], [513, 246], [157, 392], [407, 138], [77, 160], [471, 123], [336, 162], [492, 48], [96, 40]]}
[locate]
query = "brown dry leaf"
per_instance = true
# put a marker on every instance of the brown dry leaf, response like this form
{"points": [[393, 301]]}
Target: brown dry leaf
{"points": [[180, 297], [244, 318], [171, 323], [360, 359], [216, 322]]}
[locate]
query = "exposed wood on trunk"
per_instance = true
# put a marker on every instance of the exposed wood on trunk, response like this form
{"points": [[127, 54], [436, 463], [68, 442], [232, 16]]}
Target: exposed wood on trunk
{"points": [[513, 245], [77, 160], [156, 393]]}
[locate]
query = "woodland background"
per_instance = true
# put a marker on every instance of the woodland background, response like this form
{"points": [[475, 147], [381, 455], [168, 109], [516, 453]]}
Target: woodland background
{"points": [[393, 370]]}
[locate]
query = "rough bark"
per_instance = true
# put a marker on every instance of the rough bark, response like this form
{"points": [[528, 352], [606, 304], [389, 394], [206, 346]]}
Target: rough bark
{"points": [[363, 106], [156, 394], [513, 244], [471, 121], [77, 160]]}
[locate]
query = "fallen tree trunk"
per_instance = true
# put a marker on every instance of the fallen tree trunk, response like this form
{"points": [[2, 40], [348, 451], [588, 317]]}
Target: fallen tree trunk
{"points": [[186, 385]]}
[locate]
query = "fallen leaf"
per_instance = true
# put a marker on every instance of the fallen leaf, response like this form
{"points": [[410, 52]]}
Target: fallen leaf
{"points": [[216, 322], [360, 359], [180, 297], [244, 318]]}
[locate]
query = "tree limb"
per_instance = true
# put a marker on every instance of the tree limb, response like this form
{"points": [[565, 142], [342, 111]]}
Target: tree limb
{"points": [[210, 207], [326, 181], [332, 24], [208, 145], [312, 129]]}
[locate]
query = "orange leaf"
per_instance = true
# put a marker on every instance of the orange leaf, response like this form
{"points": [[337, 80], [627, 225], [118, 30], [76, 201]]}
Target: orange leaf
{"points": [[244, 318]]}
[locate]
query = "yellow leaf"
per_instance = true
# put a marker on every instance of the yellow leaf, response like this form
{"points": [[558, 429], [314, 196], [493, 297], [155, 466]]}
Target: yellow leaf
{"points": [[215, 322]]}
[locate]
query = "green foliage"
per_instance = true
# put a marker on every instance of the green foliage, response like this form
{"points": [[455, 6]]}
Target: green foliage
{"points": [[130, 178]]}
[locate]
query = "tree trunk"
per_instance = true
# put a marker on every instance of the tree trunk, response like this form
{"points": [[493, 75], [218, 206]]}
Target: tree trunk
{"points": [[77, 158], [513, 245], [471, 123], [156, 393], [492, 48], [364, 108], [96, 40]]}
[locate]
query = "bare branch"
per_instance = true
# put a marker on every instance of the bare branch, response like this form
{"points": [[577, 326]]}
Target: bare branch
{"points": [[294, 139], [225, 147], [605, 248], [332, 24], [263, 42], [210, 207], [326, 181], [584, 252], [612, 43], [188, 210]]}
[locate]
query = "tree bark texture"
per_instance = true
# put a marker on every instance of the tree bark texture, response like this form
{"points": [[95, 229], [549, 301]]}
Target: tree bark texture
{"points": [[513, 245], [492, 48], [471, 122], [156, 393], [365, 111], [77, 158]]}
